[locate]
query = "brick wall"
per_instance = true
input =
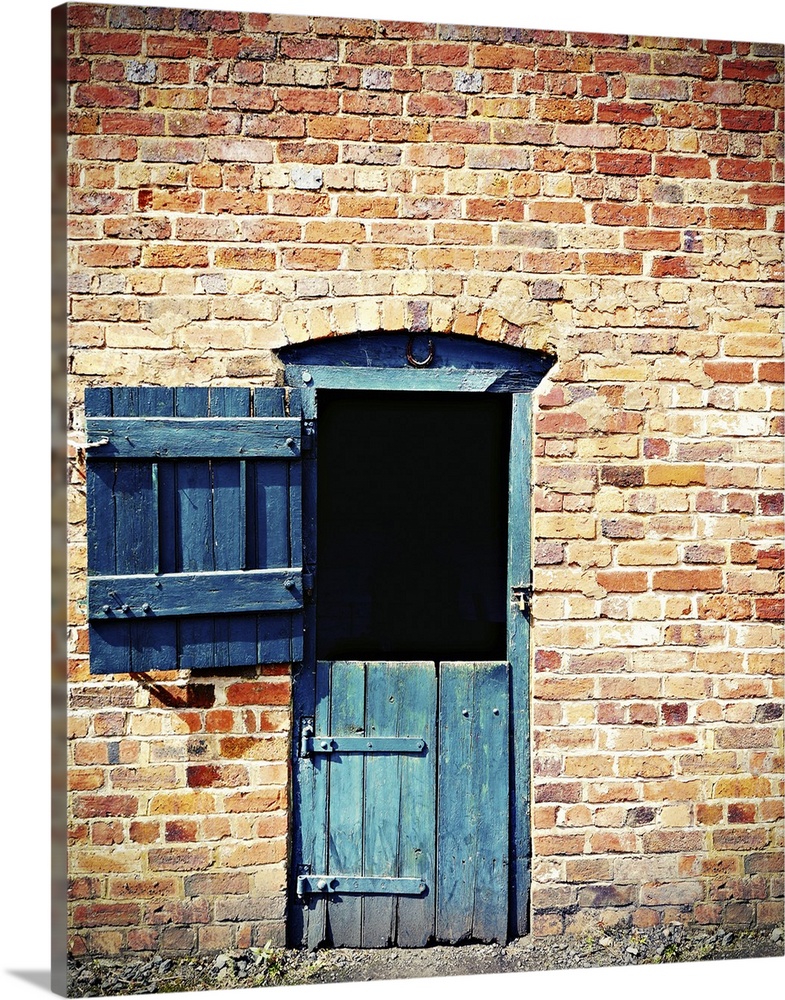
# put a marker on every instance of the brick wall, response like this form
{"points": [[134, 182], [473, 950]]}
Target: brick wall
{"points": [[242, 181]]}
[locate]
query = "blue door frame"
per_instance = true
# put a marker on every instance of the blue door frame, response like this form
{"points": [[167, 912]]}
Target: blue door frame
{"points": [[427, 363]]}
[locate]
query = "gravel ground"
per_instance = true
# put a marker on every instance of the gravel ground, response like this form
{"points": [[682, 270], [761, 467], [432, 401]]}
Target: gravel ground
{"points": [[278, 967]]}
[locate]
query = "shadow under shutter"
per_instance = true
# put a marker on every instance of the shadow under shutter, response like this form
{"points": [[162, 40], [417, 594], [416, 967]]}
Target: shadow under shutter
{"points": [[193, 528]]}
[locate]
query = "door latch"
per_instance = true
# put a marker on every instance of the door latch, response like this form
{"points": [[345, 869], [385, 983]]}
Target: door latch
{"points": [[522, 596]]}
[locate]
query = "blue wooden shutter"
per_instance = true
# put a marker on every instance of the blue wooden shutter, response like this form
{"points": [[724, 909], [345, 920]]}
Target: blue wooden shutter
{"points": [[194, 529]]}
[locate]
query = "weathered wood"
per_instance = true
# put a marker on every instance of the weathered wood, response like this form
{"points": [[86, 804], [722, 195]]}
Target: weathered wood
{"points": [[417, 699], [347, 718], [363, 744], [414, 379], [381, 813], [122, 598], [491, 788], [190, 516], [196, 541], [519, 575], [316, 843], [360, 885], [387, 352], [473, 789], [211, 437]]}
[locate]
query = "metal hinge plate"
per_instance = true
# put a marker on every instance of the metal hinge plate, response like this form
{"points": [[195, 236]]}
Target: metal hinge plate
{"points": [[362, 884]]}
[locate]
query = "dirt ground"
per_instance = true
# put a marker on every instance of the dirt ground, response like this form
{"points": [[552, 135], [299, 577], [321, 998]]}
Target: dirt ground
{"points": [[278, 967]]}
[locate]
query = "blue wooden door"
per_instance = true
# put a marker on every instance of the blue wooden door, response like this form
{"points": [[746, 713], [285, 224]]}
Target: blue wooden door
{"points": [[402, 777]]}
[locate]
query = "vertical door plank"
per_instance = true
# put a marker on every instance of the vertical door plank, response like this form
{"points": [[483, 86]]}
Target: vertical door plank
{"points": [[490, 782], [384, 694], [417, 847], [347, 712], [318, 932], [308, 917], [518, 637], [456, 809], [472, 833]]}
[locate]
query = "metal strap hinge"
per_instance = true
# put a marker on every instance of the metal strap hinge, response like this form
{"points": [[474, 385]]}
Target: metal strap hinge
{"points": [[310, 744], [359, 884]]}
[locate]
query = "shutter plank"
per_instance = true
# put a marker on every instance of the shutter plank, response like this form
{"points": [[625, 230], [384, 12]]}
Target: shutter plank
{"points": [[347, 712], [268, 502], [195, 533], [235, 635]]}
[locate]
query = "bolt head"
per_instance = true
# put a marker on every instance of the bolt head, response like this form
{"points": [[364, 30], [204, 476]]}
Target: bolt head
{"points": [[307, 377]]}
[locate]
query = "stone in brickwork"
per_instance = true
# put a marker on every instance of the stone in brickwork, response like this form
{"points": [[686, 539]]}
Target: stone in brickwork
{"points": [[306, 178], [468, 83], [140, 72]]}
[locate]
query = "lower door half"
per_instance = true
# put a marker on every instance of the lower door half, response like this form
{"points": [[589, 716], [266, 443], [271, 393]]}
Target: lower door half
{"points": [[401, 804]]}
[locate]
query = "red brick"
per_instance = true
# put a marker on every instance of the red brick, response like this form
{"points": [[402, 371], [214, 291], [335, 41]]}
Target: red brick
{"points": [[554, 109], [682, 166], [96, 914], [309, 48], [622, 113], [688, 579], [771, 371], [271, 691], [109, 255], [118, 43], [737, 218], [741, 120], [106, 805], [624, 164], [651, 239], [103, 96], [216, 775], [623, 581], [736, 372], [770, 608], [744, 170], [614, 213], [177, 46], [672, 267], [504, 57]]}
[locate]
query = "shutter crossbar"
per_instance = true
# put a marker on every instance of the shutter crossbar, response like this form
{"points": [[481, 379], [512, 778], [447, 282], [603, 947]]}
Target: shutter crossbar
{"points": [[117, 598], [193, 437]]}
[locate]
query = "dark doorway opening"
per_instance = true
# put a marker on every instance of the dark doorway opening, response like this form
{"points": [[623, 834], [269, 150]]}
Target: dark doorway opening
{"points": [[412, 507]]}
